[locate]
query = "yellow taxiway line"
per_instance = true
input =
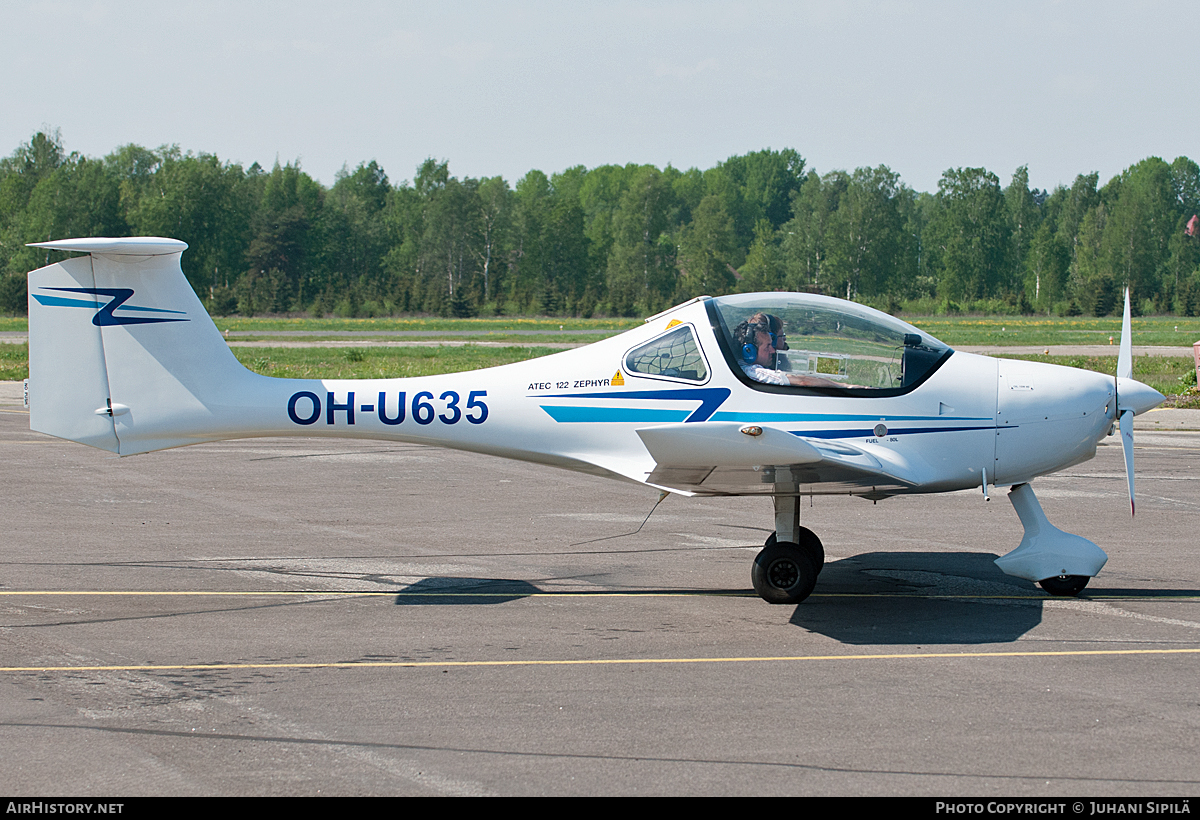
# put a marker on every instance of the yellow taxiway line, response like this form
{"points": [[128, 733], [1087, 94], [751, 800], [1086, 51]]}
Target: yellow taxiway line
{"points": [[599, 661], [334, 594]]}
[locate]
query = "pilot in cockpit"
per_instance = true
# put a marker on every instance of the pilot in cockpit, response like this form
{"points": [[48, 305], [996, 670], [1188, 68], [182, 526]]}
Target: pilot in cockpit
{"points": [[757, 339]]}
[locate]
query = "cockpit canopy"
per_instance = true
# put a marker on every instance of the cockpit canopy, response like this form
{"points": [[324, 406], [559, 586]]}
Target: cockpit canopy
{"points": [[835, 345]]}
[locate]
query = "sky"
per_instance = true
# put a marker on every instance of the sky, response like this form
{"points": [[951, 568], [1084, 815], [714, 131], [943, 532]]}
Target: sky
{"points": [[499, 88]]}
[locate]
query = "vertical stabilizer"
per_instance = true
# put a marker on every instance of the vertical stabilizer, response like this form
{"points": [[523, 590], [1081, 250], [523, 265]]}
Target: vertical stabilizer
{"points": [[122, 353]]}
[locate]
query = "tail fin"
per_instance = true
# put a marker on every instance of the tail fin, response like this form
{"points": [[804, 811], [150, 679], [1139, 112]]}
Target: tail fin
{"points": [[122, 355]]}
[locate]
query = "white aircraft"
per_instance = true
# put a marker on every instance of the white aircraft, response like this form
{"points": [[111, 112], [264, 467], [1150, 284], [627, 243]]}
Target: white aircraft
{"points": [[122, 356]]}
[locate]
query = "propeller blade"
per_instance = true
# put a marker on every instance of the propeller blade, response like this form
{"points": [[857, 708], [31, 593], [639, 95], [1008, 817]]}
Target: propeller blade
{"points": [[1125, 356], [1127, 443]]}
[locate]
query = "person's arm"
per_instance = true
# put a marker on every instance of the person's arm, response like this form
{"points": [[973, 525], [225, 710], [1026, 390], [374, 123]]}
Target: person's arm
{"points": [[812, 381]]}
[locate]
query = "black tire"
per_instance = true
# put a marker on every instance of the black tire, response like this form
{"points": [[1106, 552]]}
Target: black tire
{"points": [[783, 573], [1065, 585], [809, 541]]}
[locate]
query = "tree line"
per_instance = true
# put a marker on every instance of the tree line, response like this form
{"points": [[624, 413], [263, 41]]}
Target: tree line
{"points": [[615, 240]]}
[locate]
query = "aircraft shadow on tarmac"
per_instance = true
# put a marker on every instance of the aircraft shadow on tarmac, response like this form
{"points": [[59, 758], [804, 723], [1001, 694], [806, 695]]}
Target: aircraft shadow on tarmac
{"points": [[914, 598], [877, 598], [471, 591]]}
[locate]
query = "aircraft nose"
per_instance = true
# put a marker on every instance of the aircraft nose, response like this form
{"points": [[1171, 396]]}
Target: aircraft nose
{"points": [[1138, 397], [1047, 417]]}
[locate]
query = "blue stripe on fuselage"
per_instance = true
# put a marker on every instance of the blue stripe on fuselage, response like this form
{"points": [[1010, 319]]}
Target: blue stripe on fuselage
{"points": [[733, 415], [613, 414], [710, 399], [869, 433]]}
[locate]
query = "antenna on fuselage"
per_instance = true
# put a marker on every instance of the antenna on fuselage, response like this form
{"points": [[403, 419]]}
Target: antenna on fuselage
{"points": [[662, 494]]}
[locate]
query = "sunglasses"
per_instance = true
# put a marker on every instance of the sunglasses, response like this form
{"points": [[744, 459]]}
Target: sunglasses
{"points": [[775, 338]]}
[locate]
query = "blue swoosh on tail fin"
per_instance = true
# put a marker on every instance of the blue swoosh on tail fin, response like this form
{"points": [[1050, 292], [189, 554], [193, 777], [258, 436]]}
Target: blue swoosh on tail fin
{"points": [[104, 317]]}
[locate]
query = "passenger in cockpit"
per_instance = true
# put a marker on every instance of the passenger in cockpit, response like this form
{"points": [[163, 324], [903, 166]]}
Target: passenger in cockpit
{"points": [[757, 339]]}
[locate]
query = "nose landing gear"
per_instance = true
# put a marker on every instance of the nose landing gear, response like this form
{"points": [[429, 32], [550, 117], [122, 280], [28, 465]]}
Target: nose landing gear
{"points": [[1064, 585], [1059, 562]]}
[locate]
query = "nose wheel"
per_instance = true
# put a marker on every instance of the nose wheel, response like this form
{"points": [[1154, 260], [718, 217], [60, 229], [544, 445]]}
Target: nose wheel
{"points": [[784, 572], [1064, 585]]}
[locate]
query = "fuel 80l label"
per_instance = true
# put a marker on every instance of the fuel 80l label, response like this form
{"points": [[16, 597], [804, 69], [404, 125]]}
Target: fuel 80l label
{"points": [[306, 407]]}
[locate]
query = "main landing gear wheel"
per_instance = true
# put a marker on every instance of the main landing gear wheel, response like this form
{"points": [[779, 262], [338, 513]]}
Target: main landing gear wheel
{"points": [[784, 573], [807, 539], [1064, 585]]}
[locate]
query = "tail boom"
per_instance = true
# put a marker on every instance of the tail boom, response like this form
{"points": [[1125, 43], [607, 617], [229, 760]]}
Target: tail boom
{"points": [[124, 357]]}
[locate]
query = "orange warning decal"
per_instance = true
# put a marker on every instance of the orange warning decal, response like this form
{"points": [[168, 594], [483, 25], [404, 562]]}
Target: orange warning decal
{"points": [[617, 380]]}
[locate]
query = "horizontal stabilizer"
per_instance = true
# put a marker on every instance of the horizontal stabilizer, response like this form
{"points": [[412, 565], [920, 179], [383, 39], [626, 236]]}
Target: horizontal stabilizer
{"points": [[124, 246]]}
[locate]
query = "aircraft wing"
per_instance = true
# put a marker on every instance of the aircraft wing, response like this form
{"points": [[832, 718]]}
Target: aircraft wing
{"points": [[717, 458]]}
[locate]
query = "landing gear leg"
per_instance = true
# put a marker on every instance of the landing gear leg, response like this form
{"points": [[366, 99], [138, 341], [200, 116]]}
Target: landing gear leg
{"points": [[786, 570], [1060, 562], [787, 525], [787, 517]]}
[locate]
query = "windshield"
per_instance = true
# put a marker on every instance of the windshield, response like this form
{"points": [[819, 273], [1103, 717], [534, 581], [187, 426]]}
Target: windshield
{"points": [[817, 342]]}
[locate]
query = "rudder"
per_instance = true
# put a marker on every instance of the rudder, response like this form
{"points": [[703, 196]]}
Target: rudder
{"points": [[68, 382]]}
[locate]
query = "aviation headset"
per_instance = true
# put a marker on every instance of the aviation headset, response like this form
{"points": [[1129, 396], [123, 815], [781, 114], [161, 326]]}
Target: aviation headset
{"points": [[750, 347]]}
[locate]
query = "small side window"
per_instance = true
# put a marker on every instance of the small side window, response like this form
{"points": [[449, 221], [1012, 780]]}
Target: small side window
{"points": [[674, 355]]}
